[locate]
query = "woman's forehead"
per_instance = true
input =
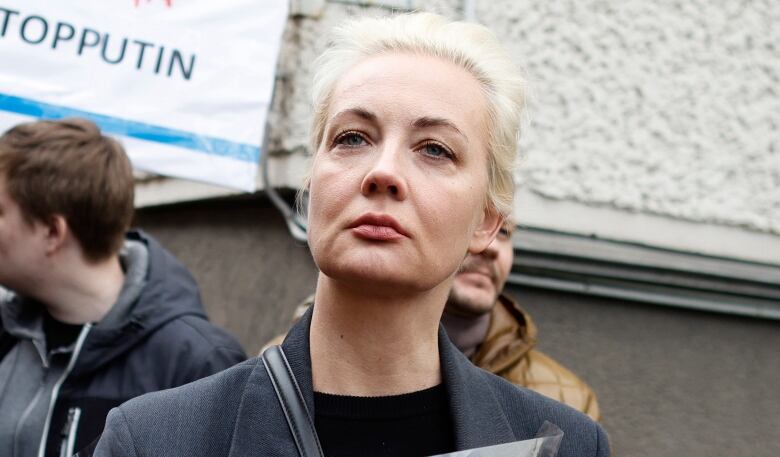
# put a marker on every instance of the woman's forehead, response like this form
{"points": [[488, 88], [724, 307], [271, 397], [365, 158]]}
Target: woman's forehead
{"points": [[420, 90]]}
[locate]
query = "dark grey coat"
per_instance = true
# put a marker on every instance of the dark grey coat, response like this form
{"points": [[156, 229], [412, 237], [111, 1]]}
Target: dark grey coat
{"points": [[236, 413]]}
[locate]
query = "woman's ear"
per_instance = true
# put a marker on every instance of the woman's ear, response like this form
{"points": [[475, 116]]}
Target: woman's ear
{"points": [[486, 231]]}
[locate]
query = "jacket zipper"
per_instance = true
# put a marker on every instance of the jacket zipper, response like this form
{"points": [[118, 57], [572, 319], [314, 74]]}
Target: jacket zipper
{"points": [[69, 432], [56, 390]]}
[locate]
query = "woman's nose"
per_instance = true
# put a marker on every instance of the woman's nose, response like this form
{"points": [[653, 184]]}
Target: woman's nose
{"points": [[386, 175]]}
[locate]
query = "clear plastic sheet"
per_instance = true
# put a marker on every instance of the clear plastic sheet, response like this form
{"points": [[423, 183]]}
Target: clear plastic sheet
{"points": [[546, 443]]}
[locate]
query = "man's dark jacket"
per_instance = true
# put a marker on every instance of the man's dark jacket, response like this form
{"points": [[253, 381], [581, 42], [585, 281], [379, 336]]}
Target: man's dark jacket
{"points": [[236, 413], [164, 340]]}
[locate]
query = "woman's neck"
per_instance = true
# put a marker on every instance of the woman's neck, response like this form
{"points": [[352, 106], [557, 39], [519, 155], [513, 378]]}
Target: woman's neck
{"points": [[364, 345]]}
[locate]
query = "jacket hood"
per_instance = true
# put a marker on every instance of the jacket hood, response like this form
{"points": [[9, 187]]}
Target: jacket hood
{"points": [[168, 291], [510, 336]]}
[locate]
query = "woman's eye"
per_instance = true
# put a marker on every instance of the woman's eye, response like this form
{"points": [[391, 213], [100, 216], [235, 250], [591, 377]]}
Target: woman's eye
{"points": [[351, 139], [436, 150]]}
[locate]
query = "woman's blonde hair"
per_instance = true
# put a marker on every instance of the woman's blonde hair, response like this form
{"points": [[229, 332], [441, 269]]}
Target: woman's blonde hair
{"points": [[470, 46]]}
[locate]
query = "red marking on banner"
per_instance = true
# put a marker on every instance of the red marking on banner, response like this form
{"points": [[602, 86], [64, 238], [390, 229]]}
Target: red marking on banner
{"points": [[168, 3]]}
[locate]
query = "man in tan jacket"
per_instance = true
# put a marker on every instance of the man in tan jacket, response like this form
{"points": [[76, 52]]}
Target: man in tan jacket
{"points": [[498, 336]]}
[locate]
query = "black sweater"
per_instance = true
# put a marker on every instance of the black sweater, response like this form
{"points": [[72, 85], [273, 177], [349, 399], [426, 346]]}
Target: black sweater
{"points": [[413, 424]]}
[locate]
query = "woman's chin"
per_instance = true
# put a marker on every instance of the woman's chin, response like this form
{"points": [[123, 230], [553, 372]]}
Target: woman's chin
{"points": [[381, 269], [371, 280]]}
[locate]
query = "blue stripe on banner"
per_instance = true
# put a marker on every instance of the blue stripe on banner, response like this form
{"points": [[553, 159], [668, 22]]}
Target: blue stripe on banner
{"points": [[133, 129]]}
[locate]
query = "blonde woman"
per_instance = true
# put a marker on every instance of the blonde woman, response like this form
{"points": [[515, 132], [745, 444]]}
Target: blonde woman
{"points": [[416, 121]]}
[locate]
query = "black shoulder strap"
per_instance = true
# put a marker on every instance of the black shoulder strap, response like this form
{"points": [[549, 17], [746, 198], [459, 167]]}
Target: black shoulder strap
{"points": [[298, 417]]}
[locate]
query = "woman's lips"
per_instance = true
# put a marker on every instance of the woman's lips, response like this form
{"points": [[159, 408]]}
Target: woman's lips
{"points": [[376, 232], [377, 227]]}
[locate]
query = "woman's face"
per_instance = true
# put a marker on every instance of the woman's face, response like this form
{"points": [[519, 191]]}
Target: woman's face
{"points": [[397, 194]]}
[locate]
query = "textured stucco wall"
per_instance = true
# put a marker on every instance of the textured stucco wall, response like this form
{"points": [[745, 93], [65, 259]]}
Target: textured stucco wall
{"points": [[669, 108], [664, 107]]}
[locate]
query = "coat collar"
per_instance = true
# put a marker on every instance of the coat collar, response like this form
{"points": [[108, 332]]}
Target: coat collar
{"points": [[472, 403], [478, 417]]}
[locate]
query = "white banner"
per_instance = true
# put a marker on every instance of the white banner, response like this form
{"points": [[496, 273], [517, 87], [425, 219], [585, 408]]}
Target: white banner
{"points": [[184, 84]]}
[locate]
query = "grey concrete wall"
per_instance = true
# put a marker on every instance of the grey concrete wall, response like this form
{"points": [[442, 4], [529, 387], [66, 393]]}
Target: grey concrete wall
{"points": [[670, 382], [251, 272]]}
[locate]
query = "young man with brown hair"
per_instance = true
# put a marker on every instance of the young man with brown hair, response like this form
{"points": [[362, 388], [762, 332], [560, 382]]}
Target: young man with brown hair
{"points": [[95, 315]]}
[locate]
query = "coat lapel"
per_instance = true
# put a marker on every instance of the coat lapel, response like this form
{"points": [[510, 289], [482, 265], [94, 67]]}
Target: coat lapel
{"points": [[260, 427], [478, 417]]}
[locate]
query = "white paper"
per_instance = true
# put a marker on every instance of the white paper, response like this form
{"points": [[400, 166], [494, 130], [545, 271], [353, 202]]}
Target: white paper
{"points": [[527, 448]]}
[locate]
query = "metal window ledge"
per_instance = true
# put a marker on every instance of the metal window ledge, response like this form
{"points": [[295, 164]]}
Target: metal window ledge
{"points": [[628, 271]]}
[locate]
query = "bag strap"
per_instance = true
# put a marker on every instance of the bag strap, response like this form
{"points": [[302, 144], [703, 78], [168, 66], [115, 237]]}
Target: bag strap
{"points": [[298, 417]]}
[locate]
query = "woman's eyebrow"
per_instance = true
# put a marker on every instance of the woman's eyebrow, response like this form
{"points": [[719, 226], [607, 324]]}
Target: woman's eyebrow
{"points": [[427, 121], [359, 112]]}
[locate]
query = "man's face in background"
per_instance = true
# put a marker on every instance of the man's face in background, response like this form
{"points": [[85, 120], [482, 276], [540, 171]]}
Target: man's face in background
{"points": [[481, 277]]}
